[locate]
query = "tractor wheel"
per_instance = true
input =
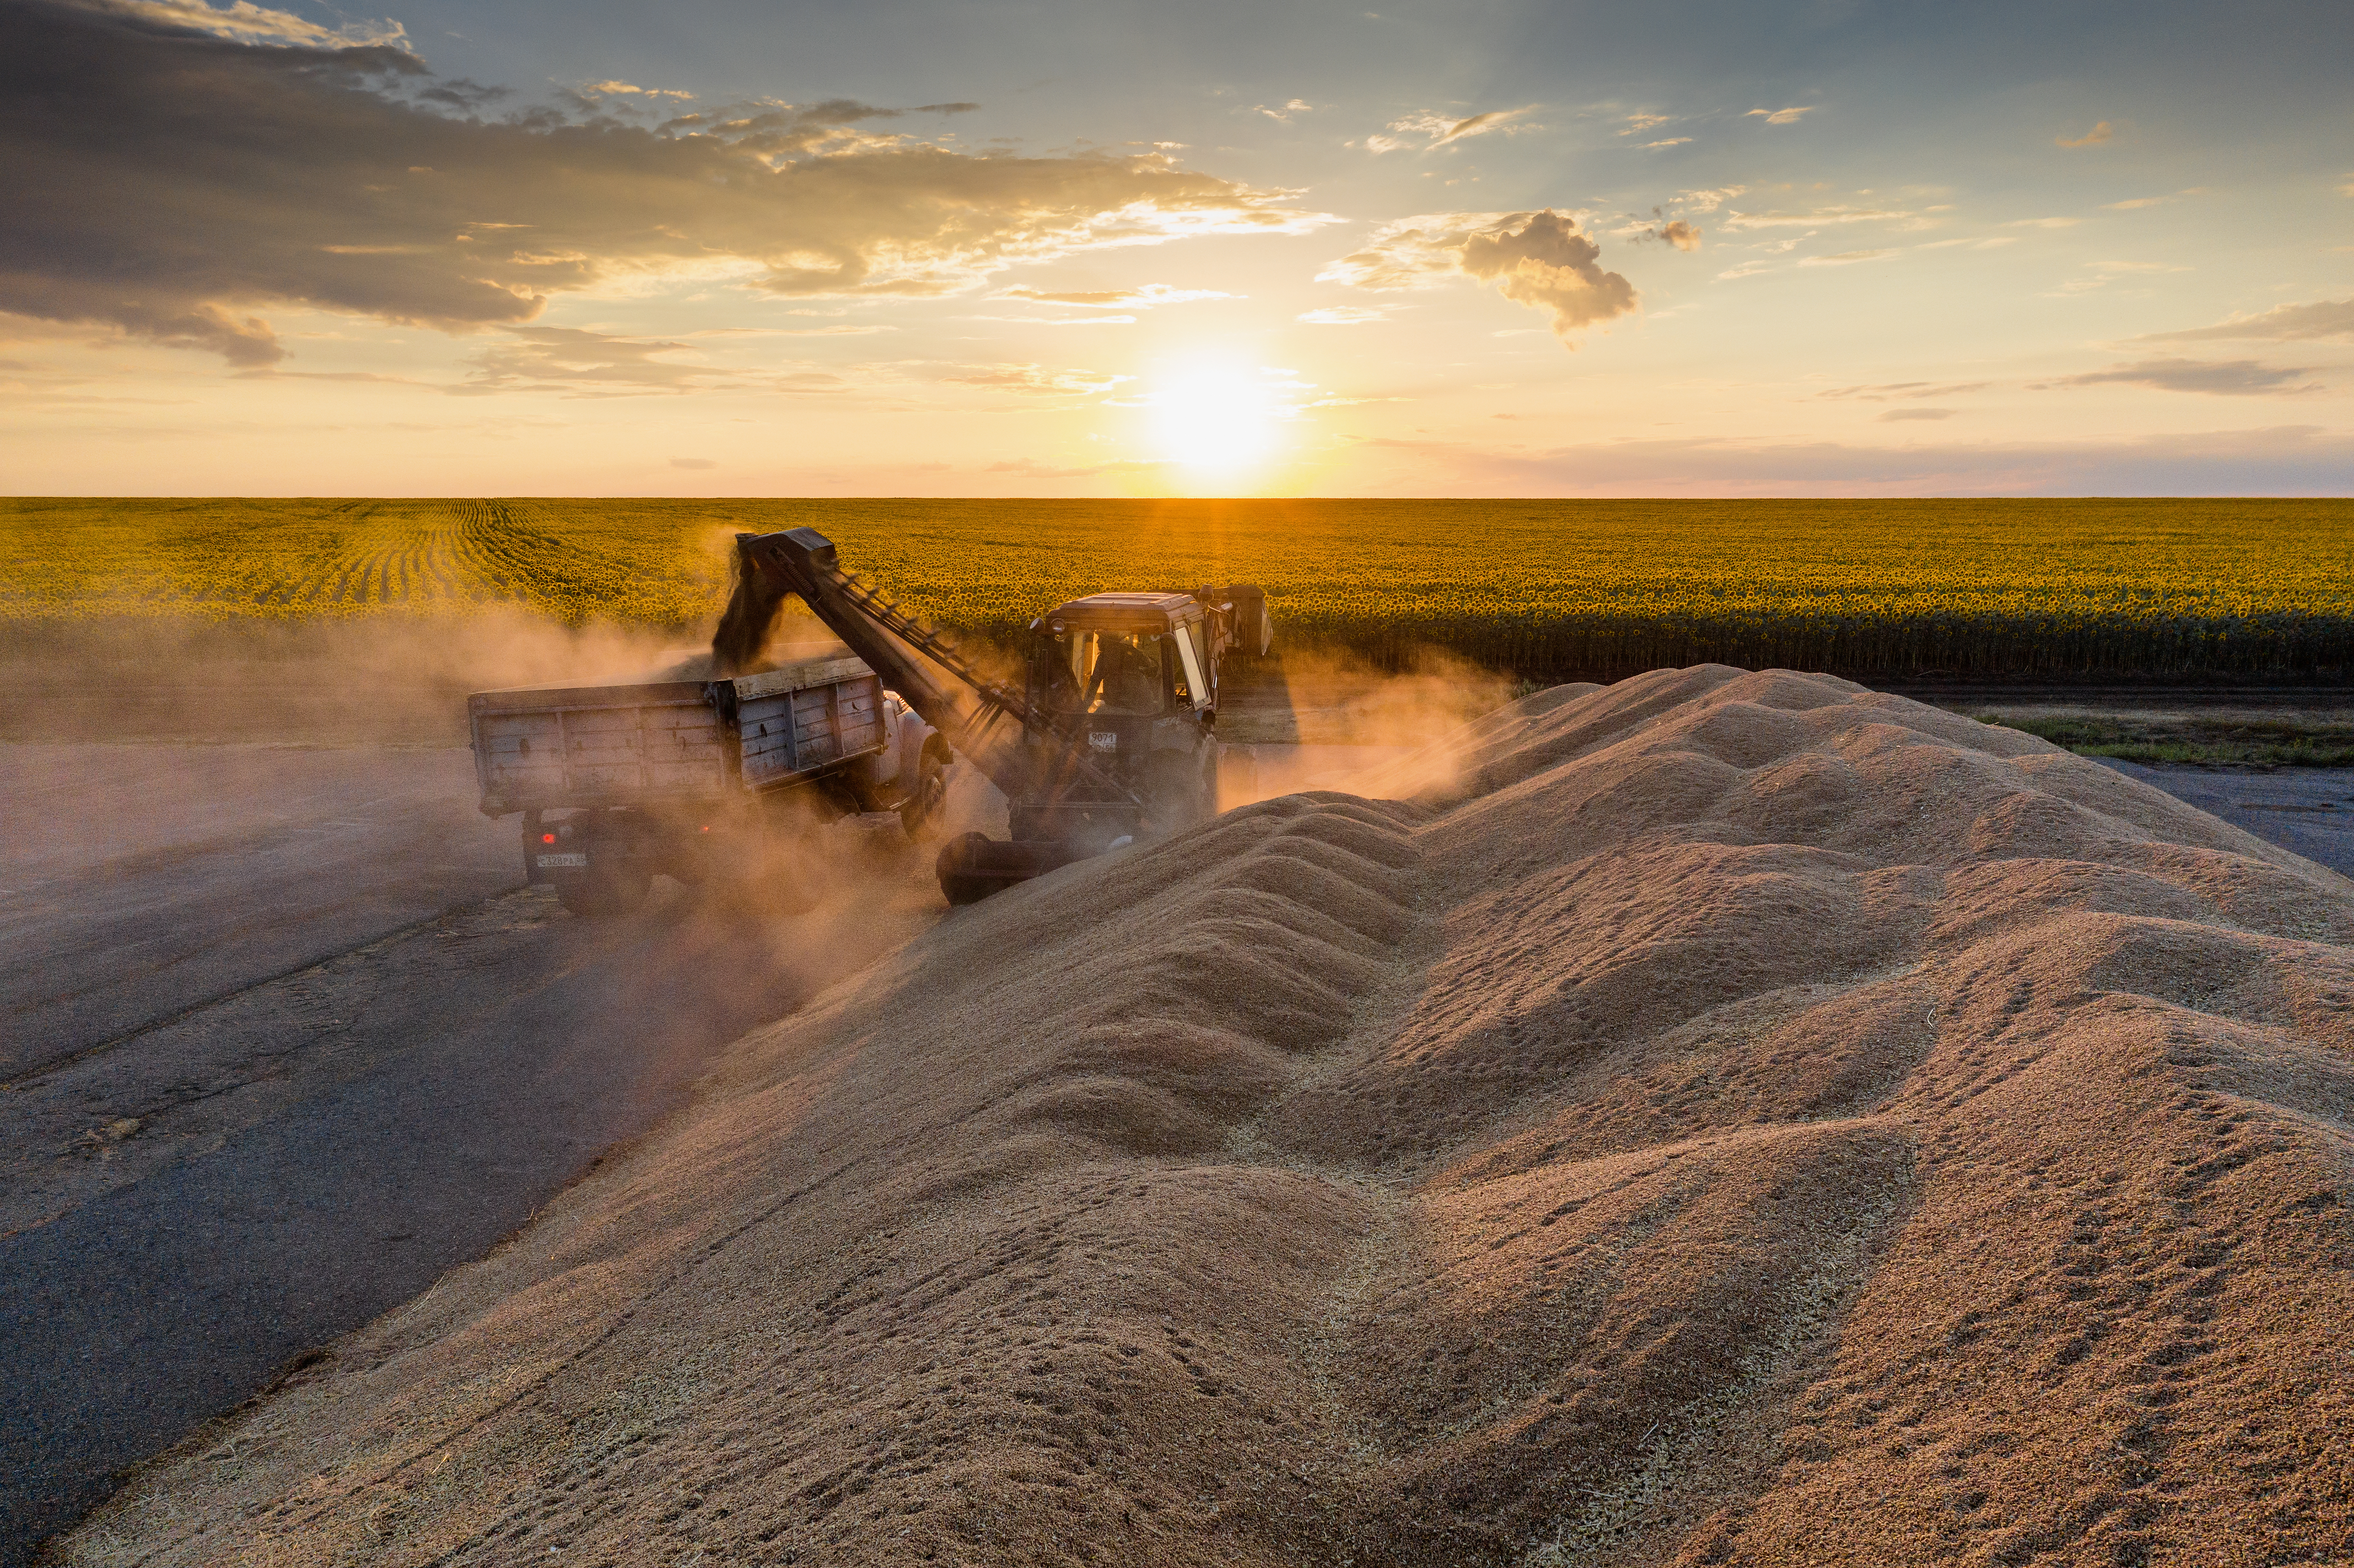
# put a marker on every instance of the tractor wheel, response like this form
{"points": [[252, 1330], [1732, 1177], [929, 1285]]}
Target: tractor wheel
{"points": [[962, 880]]}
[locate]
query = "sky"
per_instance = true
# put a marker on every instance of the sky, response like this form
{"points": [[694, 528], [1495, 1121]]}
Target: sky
{"points": [[1048, 248]]}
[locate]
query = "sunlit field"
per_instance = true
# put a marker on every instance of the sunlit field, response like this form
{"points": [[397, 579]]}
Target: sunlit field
{"points": [[1976, 589]]}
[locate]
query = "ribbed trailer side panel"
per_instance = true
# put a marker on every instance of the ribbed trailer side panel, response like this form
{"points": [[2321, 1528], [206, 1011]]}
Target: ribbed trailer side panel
{"points": [[793, 732], [647, 743], [594, 754]]}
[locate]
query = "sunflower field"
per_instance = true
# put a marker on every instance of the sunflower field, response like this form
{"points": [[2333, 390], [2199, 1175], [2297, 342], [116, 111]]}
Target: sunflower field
{"points": [[2035, 590]]}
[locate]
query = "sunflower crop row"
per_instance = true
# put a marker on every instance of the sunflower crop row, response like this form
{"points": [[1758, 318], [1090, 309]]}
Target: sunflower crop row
{"points": [[1552, 589]]}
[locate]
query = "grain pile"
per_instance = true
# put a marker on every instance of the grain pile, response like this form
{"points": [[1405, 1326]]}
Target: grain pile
{"points": [[1751, 1121]]}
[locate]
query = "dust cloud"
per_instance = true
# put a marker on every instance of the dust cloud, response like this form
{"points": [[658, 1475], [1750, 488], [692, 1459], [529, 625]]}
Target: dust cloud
{"points": [[1321, 717], [393, 678]]}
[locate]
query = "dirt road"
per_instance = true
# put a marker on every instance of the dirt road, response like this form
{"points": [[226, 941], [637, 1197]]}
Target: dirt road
{"points": [[284, 1040]]}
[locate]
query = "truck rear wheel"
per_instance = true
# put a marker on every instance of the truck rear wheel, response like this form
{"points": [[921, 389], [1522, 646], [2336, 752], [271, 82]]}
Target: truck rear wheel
{"points": [[603, 892], [921, 814]]}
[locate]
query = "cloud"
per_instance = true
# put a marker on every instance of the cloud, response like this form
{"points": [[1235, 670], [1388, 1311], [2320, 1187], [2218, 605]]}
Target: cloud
{"points": [[2099, 133], [1844, 258], [1889, 390], [1917, 414], [2323, 318], [245, 23], [1283, 116], [2220, 378], [1535, 258], [1439, 131], [1038, 380], [1341, 315], [1816, 218], [2043, 223], [625, 90], [1675, 232], [1709, 201], [584, 364], [1143, 298], [1783, 116], [171, 177], [1638, 123], [1671, 142]]}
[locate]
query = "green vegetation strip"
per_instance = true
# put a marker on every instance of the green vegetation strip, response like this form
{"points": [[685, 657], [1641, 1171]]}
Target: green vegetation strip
{"points": [[2014, 589], [2234, 743]]}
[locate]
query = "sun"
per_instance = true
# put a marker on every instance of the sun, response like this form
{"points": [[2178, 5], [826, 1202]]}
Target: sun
{"points": [[1215, 418]]}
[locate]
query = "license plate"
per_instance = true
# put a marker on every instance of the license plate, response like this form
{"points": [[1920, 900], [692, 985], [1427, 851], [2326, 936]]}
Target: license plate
{"points": [[1102, 741], [547, 862]]}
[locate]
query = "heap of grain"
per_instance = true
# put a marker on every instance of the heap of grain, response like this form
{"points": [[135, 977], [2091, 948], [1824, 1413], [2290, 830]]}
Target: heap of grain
{"points": [[1751, 1121]]}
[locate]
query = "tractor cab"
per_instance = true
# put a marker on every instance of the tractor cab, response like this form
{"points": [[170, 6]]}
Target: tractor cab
{"points": [[1134, 656]]}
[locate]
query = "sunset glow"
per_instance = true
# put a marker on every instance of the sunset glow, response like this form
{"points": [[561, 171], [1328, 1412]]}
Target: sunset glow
{"points": [[1494, 250]]}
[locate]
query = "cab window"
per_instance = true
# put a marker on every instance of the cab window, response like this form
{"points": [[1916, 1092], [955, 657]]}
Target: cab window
{"points": [[1105, 673]]}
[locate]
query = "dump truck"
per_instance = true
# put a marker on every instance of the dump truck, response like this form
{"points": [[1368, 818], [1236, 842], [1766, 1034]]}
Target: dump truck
{"points": [[708, 781], [1109, 737]]}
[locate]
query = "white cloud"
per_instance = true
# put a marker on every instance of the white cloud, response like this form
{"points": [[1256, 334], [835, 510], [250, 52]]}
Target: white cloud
{"points": [[1284, 114], [625, 90], [1439, 131], [1783, 116], [1819, 217], [2099, 133], [1037, 379], [1844, 258], [2043, 223], [1341, 315], [2323, 318], [1638, 123], [1709, 201], [1143, 298], [1671, 142]]}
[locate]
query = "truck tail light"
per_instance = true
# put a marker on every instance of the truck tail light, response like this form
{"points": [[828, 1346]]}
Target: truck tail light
{"points": [[547, 838]]}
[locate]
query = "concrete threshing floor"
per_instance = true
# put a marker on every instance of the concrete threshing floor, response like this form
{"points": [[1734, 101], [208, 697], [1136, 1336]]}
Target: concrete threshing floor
{"points": [[285, 1040]]}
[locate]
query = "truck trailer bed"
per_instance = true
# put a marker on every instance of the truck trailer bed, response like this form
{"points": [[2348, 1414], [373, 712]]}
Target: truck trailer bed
{"points": [[654, 742]]}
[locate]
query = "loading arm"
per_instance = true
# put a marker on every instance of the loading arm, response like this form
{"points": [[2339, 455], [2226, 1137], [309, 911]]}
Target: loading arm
{"points": [[983, 719]]}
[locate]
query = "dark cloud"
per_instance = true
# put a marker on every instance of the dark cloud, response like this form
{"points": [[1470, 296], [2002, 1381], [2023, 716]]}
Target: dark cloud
{"points": [[173, 177], [1536, 259], [2323, 318], [580, 363], [2221, 377]]}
